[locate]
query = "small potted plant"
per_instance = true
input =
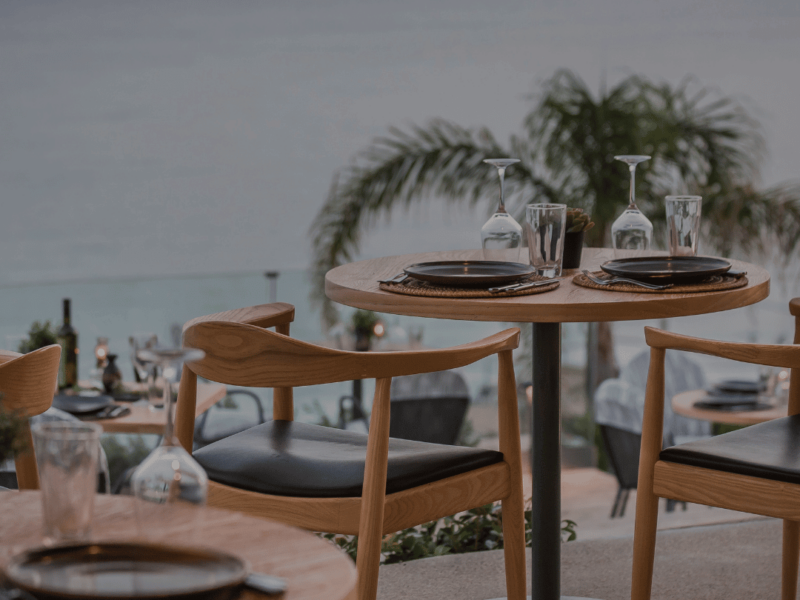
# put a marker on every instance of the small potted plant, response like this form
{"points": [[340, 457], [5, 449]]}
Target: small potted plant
{"points": [[578, 223]]}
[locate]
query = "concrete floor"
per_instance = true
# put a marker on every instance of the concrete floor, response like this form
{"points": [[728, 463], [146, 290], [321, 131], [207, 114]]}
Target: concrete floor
{"points": [[732, 561]]}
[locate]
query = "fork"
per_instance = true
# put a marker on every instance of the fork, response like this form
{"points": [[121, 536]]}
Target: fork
{"points": [[399, 278], [649, 286]]}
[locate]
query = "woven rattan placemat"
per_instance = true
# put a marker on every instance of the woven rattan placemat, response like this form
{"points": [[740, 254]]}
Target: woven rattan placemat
{"points": [[717, 283], [414, 287]]}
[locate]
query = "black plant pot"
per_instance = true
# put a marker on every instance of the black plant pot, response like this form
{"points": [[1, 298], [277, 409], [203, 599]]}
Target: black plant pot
{"points": [[573, 246]]}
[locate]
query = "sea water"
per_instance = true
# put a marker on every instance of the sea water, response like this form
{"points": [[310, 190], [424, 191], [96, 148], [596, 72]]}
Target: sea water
{"points": [[118, 308]]}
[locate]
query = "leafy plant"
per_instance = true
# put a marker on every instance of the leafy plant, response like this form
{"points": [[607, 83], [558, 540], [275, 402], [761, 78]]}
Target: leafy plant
{"points": [[123, 456], [12, 442], [364, 320], [578, 221], [470, 531], [41, 334]]}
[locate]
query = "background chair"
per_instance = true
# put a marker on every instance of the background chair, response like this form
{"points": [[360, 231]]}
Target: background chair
{"points": [[27, 384], [755, 470], [237, 411], [619, 410], [326, 479]]}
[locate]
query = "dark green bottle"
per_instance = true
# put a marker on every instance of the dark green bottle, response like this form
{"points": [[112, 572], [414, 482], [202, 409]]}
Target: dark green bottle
{"points": [[68, 338]]}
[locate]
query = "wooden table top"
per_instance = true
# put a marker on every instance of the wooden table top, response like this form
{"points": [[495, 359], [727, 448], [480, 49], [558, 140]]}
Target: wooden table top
{"points": [[683, 404], [356, 284], [313, 568], [143, 420]]}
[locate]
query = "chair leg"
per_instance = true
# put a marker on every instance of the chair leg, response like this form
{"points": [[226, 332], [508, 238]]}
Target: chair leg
{"points": [[370, 525], [514, 544], [625, 495], [644, 543], [616, 503], [791, 558]]}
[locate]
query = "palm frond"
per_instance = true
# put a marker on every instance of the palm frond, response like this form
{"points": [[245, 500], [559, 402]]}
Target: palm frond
{"points": [[441, 160]]}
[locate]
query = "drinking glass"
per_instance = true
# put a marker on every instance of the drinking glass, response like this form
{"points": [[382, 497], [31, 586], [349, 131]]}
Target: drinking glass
{"points": [[546, 228], [144, 370], [169, 485], [501, 235], [683, 224], [632, 230], [66, 455]]}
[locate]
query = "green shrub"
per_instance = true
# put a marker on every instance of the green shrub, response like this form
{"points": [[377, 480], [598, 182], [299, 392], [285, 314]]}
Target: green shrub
{"points": [[470, 531]]}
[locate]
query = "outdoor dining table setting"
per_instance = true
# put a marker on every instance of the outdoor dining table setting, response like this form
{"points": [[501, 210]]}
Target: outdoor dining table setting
{"points": [[552, 281], [60, 540]]}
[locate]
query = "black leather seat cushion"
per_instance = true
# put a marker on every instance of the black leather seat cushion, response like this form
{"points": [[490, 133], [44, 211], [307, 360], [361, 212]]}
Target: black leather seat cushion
{"points": [[769, 450], [287, 458]]}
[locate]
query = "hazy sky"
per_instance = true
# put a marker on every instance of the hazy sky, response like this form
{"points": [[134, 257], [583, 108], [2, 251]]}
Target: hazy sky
{"points": [[194, 136]]}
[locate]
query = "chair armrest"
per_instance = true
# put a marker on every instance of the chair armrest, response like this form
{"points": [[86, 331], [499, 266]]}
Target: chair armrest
{"points": [[262, 315], [775, 355]]}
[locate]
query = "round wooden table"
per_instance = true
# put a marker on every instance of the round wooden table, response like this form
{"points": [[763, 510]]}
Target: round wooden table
{"points": [[356, 284], [313, 568], [683, 404]]}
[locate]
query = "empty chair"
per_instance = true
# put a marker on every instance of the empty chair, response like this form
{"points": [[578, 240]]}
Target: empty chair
{"points": [[27, 384], [237, 411], [619, 410], [429, 407], [326, 479], [755, 470]]}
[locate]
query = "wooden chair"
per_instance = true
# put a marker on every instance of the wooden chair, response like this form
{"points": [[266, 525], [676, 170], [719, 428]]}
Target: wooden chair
{"points": [[27, 383], [755, 470], [326, 479]]}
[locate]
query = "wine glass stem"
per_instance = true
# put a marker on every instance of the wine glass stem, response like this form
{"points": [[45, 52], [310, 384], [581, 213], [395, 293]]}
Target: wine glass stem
{"points": [[502, 172], [169, 428], [632, 205]]}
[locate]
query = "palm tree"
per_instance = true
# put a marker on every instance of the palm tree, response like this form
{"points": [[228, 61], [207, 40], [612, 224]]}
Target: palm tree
{"points": [[700, 143]]}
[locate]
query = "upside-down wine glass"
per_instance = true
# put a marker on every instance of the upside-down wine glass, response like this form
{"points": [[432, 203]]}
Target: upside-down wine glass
{"points": [[169, 479], [632, 230], [501, 235]]}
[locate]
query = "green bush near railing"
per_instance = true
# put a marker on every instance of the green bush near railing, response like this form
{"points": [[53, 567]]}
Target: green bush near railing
{"points": [[474, 530]]}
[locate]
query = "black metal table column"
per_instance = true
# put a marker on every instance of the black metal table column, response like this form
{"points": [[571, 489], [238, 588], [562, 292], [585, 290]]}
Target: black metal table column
{"points": [[546, 462]]}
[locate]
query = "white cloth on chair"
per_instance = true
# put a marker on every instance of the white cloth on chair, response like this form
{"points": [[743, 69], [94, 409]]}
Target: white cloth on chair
{"points": [[620, 402]]}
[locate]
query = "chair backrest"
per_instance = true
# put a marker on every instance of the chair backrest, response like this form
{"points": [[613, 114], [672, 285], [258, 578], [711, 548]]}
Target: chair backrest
{"points": [[247, 355], [622, 448], [774, 355], [27, 383], [428, 407]]}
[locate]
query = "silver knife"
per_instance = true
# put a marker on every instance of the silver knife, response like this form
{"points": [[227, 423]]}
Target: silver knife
{"points": [[515, 287]]}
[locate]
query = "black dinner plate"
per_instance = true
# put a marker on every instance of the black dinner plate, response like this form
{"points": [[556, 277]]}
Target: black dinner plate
{"points": [[741, 406], [82, 404], [739, 386], [470, 273], [667, 269], [122, 571]]}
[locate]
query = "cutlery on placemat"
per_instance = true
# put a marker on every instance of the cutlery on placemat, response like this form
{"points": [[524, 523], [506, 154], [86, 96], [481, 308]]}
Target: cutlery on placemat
{"points": [[109, 412], [266, 584], [598, 281], [399, 278], [515, 287]]}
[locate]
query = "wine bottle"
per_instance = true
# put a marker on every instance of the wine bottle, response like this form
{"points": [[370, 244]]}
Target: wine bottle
{"points": [[68, 338]]}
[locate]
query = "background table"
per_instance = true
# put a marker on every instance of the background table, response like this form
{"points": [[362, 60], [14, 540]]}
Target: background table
{"points": [[313, 568], [143, 420], [683, 404], [356, 284]]}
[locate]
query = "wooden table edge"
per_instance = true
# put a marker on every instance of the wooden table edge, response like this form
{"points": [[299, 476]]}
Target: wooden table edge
{"points": [[683, 404], [621, 306]]}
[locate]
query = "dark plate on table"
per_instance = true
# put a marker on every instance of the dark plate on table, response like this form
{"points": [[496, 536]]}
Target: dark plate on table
{"points": [[739, 386], [734, 405], [126, 572], [127, 397], [82, 404], [470, 273], [667, 269]]}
